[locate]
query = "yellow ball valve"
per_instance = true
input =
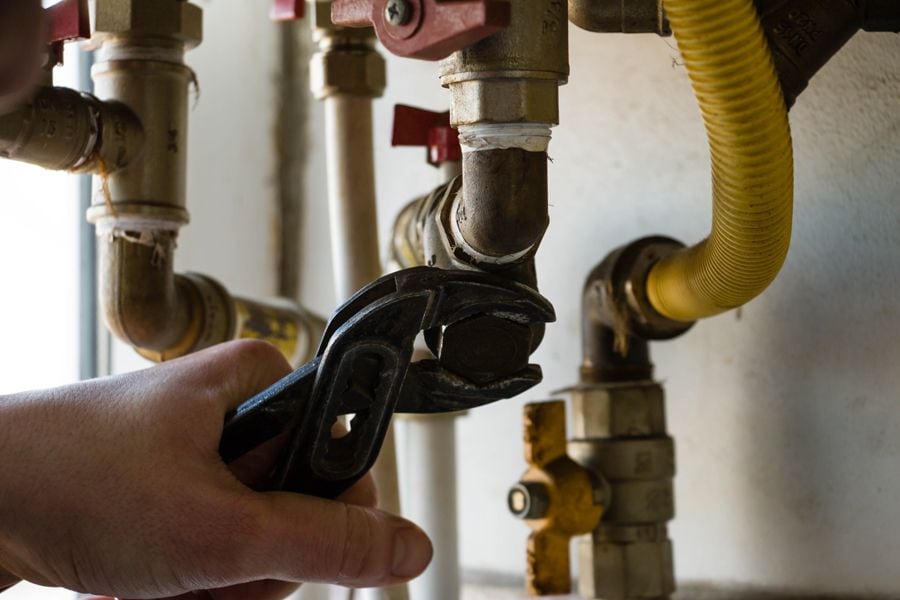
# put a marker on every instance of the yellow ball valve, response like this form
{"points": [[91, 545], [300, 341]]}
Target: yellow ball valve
{"points": [[556, 497]]}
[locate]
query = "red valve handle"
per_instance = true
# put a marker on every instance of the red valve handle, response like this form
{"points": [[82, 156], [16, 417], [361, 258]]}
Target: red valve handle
{"points": [[419, 127], [426, 29], [68, 20], [287, 10]]}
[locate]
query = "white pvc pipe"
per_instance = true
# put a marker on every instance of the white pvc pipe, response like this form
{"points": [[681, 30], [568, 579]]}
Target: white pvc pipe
{"points": [[355, 250], [428, 467], [351, 193], [429, 486]]}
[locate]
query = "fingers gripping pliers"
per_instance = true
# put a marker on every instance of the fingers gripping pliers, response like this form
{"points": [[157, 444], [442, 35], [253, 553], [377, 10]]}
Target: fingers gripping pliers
{"points": [[363, 368]]}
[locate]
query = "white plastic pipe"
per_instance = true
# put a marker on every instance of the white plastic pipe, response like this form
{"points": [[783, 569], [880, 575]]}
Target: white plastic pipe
{"points": [[355, 250], [428, 469], [428, 448]]}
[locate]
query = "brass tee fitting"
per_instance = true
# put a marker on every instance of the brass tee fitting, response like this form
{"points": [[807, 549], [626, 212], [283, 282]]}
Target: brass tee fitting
{"points": [[62, 129]]}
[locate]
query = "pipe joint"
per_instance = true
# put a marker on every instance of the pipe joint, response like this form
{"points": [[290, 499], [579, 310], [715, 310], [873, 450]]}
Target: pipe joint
{"points": [[620, 16], [62, 129], [615, 297], [512, 76], [346, 62]]}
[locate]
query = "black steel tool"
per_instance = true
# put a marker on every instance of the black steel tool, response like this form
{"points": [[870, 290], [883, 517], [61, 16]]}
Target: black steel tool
{"points": [[363, 367]]}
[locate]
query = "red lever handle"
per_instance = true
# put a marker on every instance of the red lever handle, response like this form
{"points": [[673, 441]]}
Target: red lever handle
{"points": [[419, 127], [426, 29], [68, 20], [287, 10]]}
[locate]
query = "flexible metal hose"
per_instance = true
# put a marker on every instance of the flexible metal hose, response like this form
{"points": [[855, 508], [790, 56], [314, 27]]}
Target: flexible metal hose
{"points": [[733, 77]]}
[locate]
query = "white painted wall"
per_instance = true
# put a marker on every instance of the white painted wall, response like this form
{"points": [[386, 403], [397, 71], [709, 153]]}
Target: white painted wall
{"points": [[787, 418]]}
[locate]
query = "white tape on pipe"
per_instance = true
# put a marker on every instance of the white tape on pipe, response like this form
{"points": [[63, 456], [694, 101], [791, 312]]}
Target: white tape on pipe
{"points": [[533, 137], [112, 224]]}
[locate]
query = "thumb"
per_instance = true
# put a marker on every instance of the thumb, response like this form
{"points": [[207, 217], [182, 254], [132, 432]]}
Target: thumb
{"points": [[302, 538]]}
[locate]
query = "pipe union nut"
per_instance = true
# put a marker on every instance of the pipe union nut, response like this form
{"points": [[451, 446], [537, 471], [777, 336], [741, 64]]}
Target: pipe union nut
{"points": [[174, 19], [354, 71], [615, 571]]}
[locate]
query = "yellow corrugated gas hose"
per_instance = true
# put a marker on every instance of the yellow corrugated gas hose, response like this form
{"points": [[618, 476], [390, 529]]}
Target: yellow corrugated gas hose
{"points": [[731, 70]]}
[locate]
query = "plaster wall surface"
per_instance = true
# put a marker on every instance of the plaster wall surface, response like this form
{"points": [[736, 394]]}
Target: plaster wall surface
{"points": [[786, 415]]}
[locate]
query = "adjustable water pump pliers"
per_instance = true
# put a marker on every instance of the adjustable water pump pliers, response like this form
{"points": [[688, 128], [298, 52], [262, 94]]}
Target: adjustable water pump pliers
{"points": [[363, 368]]}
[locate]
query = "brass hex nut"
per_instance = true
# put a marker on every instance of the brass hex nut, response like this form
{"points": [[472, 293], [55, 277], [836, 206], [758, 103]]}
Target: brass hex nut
{"points": [[614, 571], [618, 410], [177, 19], [353, 71], [504, 100], [618, 459]]}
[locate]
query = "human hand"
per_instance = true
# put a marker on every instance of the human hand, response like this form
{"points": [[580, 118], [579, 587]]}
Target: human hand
{"points": [[115, 487]]}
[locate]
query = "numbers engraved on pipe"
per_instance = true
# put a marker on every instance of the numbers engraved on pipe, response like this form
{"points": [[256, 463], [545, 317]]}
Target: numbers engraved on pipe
{"points": [[172, 139], [798, 30], [553, 17]]}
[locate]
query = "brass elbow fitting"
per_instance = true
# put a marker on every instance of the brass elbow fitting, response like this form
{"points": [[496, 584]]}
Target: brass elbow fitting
{"points": [[164, 315], [62, 129], [615, 295], [504, 99]]}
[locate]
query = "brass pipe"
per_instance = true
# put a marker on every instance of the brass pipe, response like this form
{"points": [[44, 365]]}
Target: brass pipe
{"points": [[62, 129], [504, 99], [140, 208]]}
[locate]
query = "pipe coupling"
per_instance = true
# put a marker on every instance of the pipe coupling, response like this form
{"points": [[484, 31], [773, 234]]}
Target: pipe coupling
{"points": [[619, 435], [513, 75], [346, 61], [615, 294], [62, 129]]}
